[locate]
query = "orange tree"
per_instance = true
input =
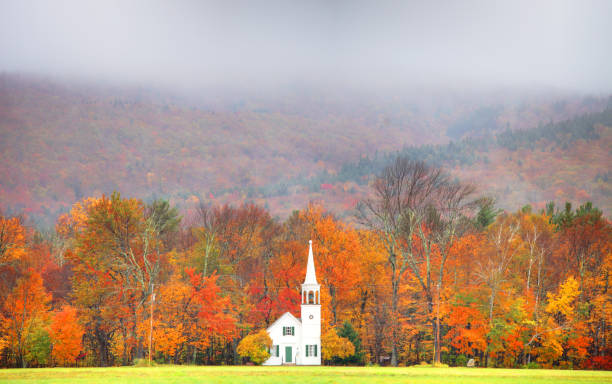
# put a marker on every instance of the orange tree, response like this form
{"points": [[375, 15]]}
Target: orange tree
{"points": [[25, 322], [338, 252], [66, 336], [118, 257]]}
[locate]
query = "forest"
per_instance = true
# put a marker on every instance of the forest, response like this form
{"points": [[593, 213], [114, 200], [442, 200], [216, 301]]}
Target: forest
{"points": [[428, 270]]}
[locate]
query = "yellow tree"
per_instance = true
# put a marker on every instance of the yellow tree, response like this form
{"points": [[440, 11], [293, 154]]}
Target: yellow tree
{"points": [[333, 346], [175, 322], [255, 347], [558, 326]]}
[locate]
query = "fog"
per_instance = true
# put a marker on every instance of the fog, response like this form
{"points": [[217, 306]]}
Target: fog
{"points": [[250, 44]]}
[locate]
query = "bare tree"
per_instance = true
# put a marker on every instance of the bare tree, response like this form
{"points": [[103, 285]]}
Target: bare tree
{"points": [[207, 220], [503, 239], [452, 202], [503, 242], [411, 200]]}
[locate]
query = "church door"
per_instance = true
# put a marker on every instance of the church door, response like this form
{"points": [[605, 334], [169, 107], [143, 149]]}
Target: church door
{"points": [[288, 355]]}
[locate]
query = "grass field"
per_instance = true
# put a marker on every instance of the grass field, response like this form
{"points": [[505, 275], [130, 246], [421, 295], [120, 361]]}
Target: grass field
{"points": [[302, 375]]}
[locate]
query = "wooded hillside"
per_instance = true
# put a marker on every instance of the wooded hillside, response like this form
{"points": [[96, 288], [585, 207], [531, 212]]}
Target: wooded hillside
{"points": [[62, 142]]}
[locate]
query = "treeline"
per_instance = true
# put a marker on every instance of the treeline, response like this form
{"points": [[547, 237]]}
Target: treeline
{"points": [[561, 134], [433, 273]]}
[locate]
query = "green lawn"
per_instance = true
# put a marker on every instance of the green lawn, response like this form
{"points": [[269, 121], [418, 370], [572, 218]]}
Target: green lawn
{"points": [[301, 375]]}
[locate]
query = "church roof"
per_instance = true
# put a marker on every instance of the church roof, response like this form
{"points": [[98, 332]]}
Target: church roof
{"points": [[284, 315], [311, 277]]}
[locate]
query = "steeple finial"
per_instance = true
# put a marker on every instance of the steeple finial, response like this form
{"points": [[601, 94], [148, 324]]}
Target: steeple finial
{"points": [[311, 277]]}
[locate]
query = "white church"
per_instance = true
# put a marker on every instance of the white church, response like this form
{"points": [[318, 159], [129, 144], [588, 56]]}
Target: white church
{"points": [[298, 341]]}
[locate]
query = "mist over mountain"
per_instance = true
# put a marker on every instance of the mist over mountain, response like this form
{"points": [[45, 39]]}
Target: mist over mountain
{"points": [[67, 141]]}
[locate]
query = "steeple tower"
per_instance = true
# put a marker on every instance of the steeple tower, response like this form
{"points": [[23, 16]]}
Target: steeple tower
{"points": [[311, 315], [311, 290], [311, 277]]}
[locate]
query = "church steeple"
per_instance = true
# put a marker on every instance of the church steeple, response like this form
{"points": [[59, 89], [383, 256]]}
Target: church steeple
{"points": [[311, 290], [311, 314], [311, 277]]}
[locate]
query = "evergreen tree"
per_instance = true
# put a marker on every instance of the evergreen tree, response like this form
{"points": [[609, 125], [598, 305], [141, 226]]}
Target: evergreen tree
{"points": [[358, 357], [486, 213]]}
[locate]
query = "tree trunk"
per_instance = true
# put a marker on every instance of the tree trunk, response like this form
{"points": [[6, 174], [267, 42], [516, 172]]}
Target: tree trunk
{"points": [[334, 304], [101, 339], [437, 339], [491, 303], [538, 292], [21, 341], [395, 324]]}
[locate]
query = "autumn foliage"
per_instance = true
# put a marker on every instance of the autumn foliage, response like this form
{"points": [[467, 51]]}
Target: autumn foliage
{"points": [[255, 347], [512, 289], [335, 346], [66, 336]]}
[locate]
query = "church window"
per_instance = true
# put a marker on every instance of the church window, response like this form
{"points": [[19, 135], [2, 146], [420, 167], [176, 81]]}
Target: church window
{"points": [[274, 351], [311, 350], [288, 331]]}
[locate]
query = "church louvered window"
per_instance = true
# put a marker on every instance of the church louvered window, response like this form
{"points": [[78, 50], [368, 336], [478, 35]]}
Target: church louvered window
{"points": [[311, 350], [274, 351]]}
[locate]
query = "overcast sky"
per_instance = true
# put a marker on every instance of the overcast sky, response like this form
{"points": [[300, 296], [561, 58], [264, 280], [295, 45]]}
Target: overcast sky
{"points": [[561, 44]]}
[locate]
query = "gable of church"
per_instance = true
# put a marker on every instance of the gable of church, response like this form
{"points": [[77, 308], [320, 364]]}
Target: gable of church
{"points": [[287, 319]]}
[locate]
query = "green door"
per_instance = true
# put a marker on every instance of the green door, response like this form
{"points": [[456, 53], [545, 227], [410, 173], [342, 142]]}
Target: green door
{"points": [[288, 354]]}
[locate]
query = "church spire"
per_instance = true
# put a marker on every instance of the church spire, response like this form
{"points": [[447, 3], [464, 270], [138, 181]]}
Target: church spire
{"points": [[311, 277]]}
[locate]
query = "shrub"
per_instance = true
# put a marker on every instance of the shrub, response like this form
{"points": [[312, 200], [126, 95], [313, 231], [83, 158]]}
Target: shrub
{"points": [[599, 362], [143, 363], [461, 361], [256, 347], [334, 346]]}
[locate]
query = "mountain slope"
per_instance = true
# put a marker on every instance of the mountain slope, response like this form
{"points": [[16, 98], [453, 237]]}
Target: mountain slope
{"points": [[62, 142], [564, 161]]}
